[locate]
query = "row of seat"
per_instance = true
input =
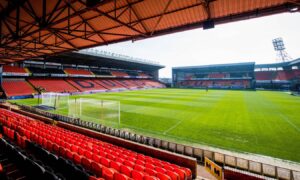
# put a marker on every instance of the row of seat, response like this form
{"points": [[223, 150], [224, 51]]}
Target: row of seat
{"points": [[17, 88], [18, 164], [104, 159], [277, 75], [21, 87], [70, 71], [53, 85]]}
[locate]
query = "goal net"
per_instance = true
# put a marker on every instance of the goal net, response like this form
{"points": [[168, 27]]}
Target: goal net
{"points": [[98, 111], [55, 100]]}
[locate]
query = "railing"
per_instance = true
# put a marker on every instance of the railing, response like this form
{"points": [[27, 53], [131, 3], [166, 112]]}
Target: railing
{"points": [[93, 51], [223, 159]]}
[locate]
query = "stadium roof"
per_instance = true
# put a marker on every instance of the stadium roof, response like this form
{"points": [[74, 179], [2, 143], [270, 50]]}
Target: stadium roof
{"points": [[295, 62], [33, 28], [107, 60], [218, 67]]}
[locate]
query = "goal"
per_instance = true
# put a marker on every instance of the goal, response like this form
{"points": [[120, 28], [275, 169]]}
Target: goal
{"points": [[55, 100], [94, 110]]}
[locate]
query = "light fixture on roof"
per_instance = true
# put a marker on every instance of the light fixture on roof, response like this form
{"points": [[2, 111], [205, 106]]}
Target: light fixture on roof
{"points": [[208, 24], [294, 9], [282, 55]]}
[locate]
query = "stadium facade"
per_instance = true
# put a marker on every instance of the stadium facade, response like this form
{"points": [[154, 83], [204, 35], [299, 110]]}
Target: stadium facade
{"points": [[276, 76], [81, 72]]}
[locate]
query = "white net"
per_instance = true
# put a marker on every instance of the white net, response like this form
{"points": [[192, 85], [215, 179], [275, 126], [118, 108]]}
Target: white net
{"points": [[94, 110], [55, 100]]}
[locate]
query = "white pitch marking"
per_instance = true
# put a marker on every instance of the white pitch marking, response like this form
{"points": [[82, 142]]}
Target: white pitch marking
{"points": [[287, 120], [171, 128]]}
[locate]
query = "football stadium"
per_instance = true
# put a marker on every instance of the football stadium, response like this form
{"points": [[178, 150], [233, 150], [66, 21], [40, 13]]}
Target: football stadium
{"points": [[71, 111]]}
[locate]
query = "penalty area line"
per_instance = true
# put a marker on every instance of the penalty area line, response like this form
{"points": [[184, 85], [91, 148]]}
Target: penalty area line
{"points": [[172, 127], [287, 120]]}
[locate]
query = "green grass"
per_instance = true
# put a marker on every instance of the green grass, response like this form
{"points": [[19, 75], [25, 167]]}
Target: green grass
{"points": [[259, 122]]}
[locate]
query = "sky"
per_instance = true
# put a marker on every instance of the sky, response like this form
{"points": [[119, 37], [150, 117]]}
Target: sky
{"points": [[242, 41]]}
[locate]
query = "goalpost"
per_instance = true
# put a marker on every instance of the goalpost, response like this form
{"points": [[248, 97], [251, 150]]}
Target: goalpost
{"points": [[55, 100], [95, 110]]}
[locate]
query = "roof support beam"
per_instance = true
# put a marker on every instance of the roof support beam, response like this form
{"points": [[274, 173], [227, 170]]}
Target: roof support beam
{"points": [[118, 21], [162, 15]]}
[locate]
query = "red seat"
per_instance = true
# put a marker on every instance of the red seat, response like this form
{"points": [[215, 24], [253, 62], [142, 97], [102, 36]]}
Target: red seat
{"points": [[69, 154], [150, 166], [89, 155], [115, 165], [96, 168], [180, 172], [126, 170], [55, 148], [62, 151], [147, 177], [50, 146], [129, 163], [160, 169], [120, 160], [81, 151], [162, 176], [86, 163], [111, 157], [96, 151], [45, 142], [137, 175], [67, 146], [102, 153], [107, 173], [151, 172], [96, 158], [187, 171], [139, 167], [173, 175], [118, 176], [77, 158], [40, 140], [105, 161], [140, 162], [167, 167], [74, 148]]}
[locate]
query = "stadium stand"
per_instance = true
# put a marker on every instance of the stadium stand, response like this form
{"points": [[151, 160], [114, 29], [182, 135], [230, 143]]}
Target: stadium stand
{"points": [[53, 85], [217, 75], [219, 84], [14, 70], [98, 158], [144, 75], [119, 74], [110, 84], [17, 87], [84, 85], [266, 75], [222, 76], [78, 72], [127, 84]]}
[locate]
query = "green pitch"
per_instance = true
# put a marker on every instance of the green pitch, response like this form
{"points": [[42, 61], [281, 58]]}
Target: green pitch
{"points": [[259, 122]]}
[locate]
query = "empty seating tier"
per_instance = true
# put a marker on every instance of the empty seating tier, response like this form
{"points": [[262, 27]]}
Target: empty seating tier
{"points": [[119, 74], [103, 159], [86, 85], [79, 72], [17, 88], [14, 69], [53, 85]]}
